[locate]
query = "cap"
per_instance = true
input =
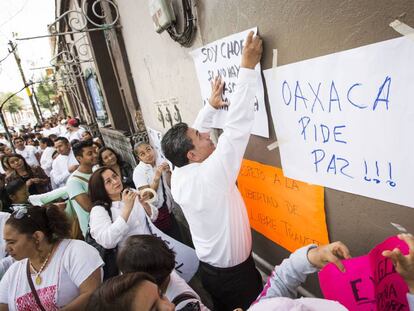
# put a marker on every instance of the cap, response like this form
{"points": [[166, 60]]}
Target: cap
{"points": [[73, 122]]}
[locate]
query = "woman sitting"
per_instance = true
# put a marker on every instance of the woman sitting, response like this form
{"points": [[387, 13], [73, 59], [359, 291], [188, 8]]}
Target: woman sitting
{"points": [[108, 157], [52, 272], [116, 213], [34, 177]]}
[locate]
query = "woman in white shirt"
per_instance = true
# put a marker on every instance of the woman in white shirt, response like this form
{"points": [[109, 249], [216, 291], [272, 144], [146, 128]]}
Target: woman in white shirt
{"points": [[116, 213], [51, 270]]}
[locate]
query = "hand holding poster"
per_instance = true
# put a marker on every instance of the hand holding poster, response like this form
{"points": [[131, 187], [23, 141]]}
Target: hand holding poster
{"points": [[370, 282], [344, 120], [286, 211], [222, 58]]}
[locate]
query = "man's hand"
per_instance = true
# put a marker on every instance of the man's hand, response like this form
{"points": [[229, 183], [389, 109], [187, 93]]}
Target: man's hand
{"points": [[216, 100], [252, 51], [404, 265], [322, 255]]}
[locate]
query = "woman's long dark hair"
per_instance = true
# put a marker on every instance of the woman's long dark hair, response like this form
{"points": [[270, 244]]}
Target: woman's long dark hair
{"points": [[96, 188], [119, 160]]}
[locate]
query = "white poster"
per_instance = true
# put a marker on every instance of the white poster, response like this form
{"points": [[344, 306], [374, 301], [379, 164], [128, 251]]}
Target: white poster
{"points": [[222, 58], [155, 138], [346, 120], [186, 260]]}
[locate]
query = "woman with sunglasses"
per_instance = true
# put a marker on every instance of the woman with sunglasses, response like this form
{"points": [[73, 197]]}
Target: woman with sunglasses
{"points": [[35, 178], [51, 271], [117, 213]]}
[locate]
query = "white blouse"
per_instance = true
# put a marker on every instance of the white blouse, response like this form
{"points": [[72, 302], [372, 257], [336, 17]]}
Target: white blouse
{"points": [[112, 232]]}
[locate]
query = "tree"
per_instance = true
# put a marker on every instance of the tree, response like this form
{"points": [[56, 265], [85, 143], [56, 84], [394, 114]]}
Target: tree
{"points": [[44, 92], [13, 105]]}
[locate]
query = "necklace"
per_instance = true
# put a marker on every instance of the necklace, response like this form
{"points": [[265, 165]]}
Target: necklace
{"points": [[38, 279]]}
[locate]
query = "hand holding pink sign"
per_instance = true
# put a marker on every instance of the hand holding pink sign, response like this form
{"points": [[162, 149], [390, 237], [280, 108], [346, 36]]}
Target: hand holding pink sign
{"points": [[370, 282]]}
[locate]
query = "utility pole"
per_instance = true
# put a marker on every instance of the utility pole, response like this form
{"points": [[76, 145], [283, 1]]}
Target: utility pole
{"points": [[37, 103], [18, 61]]}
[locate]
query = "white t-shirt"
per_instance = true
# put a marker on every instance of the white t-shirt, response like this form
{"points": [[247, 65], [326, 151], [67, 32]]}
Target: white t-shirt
{"points": [[50, 131], [144, 175], [46, 159], [75, 134], [71, 264], [178, 286], [29, 154], [111, 232]]}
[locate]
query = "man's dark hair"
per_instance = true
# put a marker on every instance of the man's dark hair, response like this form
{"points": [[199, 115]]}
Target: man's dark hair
{"points": [[62, 139], [47, 141], [18, 138], [117, 293], [78, 147], [149, 254], [175, 144]]}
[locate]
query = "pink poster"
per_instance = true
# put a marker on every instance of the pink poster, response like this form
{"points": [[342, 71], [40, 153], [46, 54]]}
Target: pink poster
{"points": [[370, 282]]}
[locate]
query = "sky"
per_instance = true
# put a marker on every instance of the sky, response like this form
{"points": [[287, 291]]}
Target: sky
{"points": [[27, 18]]}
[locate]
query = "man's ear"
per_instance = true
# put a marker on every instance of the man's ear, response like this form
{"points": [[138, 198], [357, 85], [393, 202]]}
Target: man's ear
{"points": [[191, 156], [78, 158]]}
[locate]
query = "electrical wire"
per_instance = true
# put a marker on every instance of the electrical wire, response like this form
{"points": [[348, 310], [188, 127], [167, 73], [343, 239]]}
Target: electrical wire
{"points": [[186, 37]]}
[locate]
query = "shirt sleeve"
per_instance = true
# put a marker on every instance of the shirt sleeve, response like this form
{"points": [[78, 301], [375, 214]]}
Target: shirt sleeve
{"points": [[57, 174], [81, 261], [5, 264], [5, 283], [74, 188], [139, 177], [105, 232], [222, 167], [204, 119], [289, 275]]}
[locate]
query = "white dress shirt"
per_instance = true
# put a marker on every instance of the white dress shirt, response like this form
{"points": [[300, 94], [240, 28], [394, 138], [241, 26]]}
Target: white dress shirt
{"points": [[109, 232], [207, 191], [29, 154], [46, 159], [60, 169]]}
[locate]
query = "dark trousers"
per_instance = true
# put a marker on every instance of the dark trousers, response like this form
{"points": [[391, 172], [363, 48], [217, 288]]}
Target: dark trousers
{"points": [[234, 287]]}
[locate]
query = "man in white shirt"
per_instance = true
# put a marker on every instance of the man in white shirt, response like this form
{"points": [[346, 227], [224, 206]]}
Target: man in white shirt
{"points": [[48, 130], [27, 152], [65, 163], [204, 185], [74, 131]]}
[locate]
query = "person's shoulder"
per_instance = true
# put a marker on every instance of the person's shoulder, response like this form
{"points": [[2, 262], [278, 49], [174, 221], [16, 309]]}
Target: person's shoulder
{"points": [[78, 246]]}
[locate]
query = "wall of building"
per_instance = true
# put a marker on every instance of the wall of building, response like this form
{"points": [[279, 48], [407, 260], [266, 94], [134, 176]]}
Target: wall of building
{"points": [[162, 70]]}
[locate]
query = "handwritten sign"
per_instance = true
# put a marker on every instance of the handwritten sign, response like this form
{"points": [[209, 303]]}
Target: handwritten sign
{"points": [[286, 211], [370, 282], [222, 58], [344, 120]]}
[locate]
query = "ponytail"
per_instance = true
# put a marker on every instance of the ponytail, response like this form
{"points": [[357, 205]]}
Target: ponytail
{"points": [[49, 219]]}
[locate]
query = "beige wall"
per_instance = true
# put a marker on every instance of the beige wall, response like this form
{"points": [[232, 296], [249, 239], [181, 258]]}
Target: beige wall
{"points": [[299, 29]]}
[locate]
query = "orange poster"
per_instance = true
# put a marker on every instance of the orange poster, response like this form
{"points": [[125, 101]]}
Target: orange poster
{"points": [[288, 212]]}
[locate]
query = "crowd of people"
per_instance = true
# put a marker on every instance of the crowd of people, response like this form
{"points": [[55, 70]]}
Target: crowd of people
{"points": [[77, 221]]}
